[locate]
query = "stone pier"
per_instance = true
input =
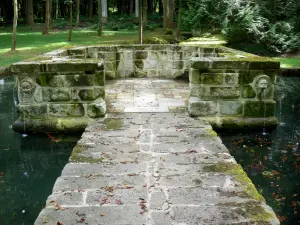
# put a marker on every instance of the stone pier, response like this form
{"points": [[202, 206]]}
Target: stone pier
{"points": [[154, 169]]}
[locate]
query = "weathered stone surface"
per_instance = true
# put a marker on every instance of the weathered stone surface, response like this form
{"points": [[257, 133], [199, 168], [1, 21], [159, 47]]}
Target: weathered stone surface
{"points": [[87, 94], [141, 55], [99, 78], [231, 78], [231, 108], [202, 108], [97, 109], [194, 76], [201, 63], [211, 78], [225, 92], [248, 92], [33, 111], [185, 176], [56, 95], [259, 108], [66, 110]]}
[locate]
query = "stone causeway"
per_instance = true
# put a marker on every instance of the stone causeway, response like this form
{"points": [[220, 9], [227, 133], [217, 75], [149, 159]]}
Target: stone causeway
{"points": [[148, 154]]}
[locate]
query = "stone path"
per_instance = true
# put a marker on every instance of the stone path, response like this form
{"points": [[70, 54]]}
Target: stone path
{"points": [[154, 169], [146, 95]]}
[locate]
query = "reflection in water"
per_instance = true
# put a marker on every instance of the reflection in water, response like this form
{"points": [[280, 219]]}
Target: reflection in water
{"points": [[272, 161], [29, 165]]}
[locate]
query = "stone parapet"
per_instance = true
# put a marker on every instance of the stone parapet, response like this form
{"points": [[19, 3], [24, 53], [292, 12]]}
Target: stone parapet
{"points": [[59, 94], [235, 89]]}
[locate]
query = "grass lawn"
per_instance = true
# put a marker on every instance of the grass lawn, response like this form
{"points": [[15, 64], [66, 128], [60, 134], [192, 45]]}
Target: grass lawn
{"points": [[33, 43], [289, 62]]}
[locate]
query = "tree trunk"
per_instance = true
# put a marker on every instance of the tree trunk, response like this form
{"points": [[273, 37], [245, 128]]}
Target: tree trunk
{"points": [[131, 6], [29, 12], [77, 12], [145, 10], [71, 22], [14, 34], [141, 21], [90, 10], [160, 7], [164, 2], [56, 9], [168, 14], [47, 17], [50, 14], [99, 18], [150, 7], [137, 13], [177, 36]]}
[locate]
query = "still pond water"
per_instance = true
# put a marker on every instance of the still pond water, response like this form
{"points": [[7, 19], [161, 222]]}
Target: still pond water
{"points": [[29, 165]]}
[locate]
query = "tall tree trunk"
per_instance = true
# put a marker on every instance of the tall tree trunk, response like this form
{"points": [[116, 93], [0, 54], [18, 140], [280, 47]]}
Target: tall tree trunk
{"points": [[164, 2], [150, 7], [168, 14], [137, 7], [145, 10], [71, 21], [131, 6], [90, 10], [47, 17], [56, 9], [77, 12], [160, 7], [99, 18], [50, 14], [29, 12], [177, 36], [141, 21], [14, 34]]}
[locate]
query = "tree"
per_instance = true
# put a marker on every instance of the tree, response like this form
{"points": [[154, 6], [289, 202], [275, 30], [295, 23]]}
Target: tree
{"points": [[90, 11], [141, 21], [77, 12], [14, 34], [47, 17], [99, 18], [177, 35], [145, 9], [29, 12], [71, 19]]}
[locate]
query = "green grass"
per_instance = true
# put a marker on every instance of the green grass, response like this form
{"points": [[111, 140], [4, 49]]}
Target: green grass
{"points": [[33, 43], [286, 62]]}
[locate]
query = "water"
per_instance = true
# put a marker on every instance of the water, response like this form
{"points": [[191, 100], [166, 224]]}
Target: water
{"points": [[29, 165], [272, 159]]}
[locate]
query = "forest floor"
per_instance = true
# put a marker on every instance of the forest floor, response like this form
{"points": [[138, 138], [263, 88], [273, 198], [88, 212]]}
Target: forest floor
{"points": [[31, 42]]}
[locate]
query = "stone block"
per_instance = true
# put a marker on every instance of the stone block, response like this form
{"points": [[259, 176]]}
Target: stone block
{"points": [[178, 65], [248, 92], [107, 56], [163, 55], [140, 73], [201, 63], [141, 55], [110, 66], [264, 64], [77, 51], [80, 80], [99, 78], [96, 109], [66, 110], [231, 78], [71, 66], [230, 64], [139, 64], [259, 108], [25, 67], [87, 94], [225, 92], [194, 76], [110, 75], [150, 64], [36, 111], [231, 108], [153, 55], [177, 73], [59, 95], [211, 78], [197, 107]]}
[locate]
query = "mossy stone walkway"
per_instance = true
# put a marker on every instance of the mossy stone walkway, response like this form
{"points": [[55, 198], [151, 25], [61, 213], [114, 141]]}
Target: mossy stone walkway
{"points": [[153, 168]]}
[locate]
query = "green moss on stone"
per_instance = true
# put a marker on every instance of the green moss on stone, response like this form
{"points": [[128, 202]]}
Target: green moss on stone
{"points": [[112, 124], [76, 156], [237, 171], [211, 132]]}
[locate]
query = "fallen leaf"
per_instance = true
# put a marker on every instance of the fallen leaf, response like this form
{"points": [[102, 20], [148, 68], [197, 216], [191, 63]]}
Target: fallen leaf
{"points": [[59, 223], [101, 214]]}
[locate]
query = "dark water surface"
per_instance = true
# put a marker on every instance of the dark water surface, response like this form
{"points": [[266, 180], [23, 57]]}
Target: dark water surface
{"points": [[29, 165], [272, 161]]}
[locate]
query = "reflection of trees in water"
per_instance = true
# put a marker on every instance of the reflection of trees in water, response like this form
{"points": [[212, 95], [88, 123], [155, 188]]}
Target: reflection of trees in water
{"points": [[29, 175]]}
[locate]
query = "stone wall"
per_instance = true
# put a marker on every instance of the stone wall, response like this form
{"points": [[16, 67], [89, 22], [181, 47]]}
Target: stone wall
{"points": [[59, 95], [233, 92], [152, 61], [64, 90]]}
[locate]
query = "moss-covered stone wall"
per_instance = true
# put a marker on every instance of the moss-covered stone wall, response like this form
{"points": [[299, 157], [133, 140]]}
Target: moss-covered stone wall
{"points": [[59, 94], [233, 91]]}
